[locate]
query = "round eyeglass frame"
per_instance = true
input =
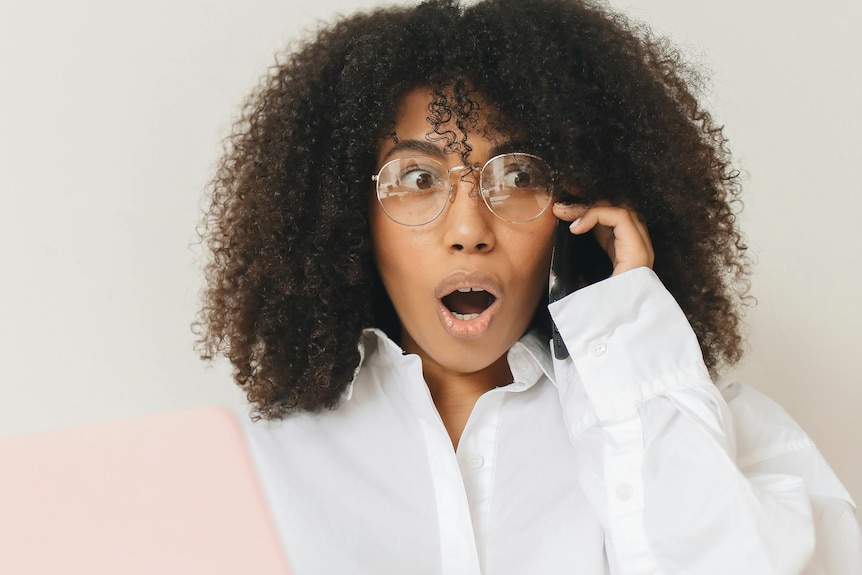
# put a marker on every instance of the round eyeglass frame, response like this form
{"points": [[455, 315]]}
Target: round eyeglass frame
{"points": [[451, 195]]}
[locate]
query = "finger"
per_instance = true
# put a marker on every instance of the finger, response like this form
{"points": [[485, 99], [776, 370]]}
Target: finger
{"points": [[608, 217], [640, 224], [605, 234], [642, 228], [605, 237], [622, 235], [568, 211]]}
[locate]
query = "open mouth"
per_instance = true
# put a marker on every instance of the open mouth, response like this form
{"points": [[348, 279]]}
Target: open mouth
{"points": [[468, 303]]}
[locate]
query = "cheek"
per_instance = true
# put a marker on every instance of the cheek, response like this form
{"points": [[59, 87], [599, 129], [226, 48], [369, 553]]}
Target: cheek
{"points": [[384, 235], [383, 238], [399, 252], [536, 259], [534, 251]]}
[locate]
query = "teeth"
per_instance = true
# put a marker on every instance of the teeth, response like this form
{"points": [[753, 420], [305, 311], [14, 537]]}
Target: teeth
{"points": [[465, 316], [468, 290]]}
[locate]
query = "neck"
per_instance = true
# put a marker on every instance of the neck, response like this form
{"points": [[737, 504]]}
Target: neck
{"points": [[455, 394]]}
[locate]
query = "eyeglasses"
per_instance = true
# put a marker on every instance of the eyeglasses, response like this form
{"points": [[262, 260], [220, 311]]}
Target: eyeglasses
{"points": [[414, 190]]}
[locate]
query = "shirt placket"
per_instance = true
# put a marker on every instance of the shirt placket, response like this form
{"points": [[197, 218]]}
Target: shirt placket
{"points": [[458, 551], [477, 459]]}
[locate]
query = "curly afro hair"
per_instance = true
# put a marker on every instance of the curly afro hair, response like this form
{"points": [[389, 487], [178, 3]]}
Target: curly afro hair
{"points": [[291, 280]]}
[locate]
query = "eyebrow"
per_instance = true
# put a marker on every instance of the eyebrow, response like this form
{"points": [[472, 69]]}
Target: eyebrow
{"points": [[421, 146], [428, 149]]}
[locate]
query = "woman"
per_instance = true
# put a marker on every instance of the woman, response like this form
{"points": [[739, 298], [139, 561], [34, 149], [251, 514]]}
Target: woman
{"points": [[382, 228]]}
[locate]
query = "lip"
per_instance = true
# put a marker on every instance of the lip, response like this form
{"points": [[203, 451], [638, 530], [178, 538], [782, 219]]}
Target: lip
{"points": [[471, 328]]}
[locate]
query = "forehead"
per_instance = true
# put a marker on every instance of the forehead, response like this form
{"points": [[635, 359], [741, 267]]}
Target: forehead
{"points": [[453, 123], [413, 110]]}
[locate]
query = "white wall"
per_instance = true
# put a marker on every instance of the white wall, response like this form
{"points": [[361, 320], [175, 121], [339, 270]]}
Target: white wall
{"points": [[787, 82], [111, 115]]}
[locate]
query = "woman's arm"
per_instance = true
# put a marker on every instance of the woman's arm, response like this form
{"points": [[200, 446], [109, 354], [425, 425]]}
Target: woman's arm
{"points": [[657, 446], [657, 442]]}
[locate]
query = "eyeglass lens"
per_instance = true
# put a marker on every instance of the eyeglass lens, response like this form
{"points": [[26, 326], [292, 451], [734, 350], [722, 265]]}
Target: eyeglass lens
{"points": [[414, 190]]}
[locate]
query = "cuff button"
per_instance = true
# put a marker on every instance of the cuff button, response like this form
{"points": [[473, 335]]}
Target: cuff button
{"points": [[598, 347]]}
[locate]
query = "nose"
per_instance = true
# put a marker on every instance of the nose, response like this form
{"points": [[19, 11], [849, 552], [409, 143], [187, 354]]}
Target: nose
{"points": [[467, 220]]}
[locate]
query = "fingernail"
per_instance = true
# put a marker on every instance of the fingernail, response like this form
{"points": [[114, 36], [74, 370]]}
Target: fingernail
{"points": [[574, 224]]}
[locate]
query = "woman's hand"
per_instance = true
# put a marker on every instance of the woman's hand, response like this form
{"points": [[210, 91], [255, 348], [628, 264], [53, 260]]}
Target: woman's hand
{"points": [[619, 231]]}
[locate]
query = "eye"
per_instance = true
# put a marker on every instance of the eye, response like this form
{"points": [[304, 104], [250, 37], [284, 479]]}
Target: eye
{"points": [[416, 175], [521, 177], [416, 178]]}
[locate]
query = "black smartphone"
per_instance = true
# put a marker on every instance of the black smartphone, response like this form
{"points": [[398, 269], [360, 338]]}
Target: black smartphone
{"points": [[577, 261]]}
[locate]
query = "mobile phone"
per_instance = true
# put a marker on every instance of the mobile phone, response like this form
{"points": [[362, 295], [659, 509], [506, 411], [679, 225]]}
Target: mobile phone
{"points": [[577, 261]]}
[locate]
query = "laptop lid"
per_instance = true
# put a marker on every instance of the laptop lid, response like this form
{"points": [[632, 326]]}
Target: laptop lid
{"points": [[170, 494]]}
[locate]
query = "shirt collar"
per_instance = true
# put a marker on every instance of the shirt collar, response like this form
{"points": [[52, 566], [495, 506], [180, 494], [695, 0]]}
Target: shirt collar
{"points": [[528, 359]]}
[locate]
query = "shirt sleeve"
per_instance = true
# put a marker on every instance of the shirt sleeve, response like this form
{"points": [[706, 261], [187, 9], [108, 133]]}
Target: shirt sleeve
{"points": [[657, 444]]}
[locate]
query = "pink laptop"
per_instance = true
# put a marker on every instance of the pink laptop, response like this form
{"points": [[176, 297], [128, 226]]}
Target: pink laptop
{"points": [[167, 494]]}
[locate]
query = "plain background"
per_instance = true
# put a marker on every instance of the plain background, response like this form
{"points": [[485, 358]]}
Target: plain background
{"points": [[111, 117]]}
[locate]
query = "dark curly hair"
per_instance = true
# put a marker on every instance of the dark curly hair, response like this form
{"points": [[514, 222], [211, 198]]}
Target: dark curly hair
{"points": [[291, 282]]}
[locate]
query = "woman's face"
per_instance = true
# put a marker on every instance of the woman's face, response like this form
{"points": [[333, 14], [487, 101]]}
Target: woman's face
{"points": [[465, 285]]}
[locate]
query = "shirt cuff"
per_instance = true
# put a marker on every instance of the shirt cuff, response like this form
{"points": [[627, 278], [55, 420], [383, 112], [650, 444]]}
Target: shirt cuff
{"points": [[628, 340]]}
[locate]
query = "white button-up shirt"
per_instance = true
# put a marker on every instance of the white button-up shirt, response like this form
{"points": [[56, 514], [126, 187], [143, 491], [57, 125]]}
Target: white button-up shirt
{"points": [[623, 459]]}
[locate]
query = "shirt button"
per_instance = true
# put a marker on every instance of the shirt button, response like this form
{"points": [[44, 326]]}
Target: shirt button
{"points": [[475, 461], [598, 348], [625, 491]]}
